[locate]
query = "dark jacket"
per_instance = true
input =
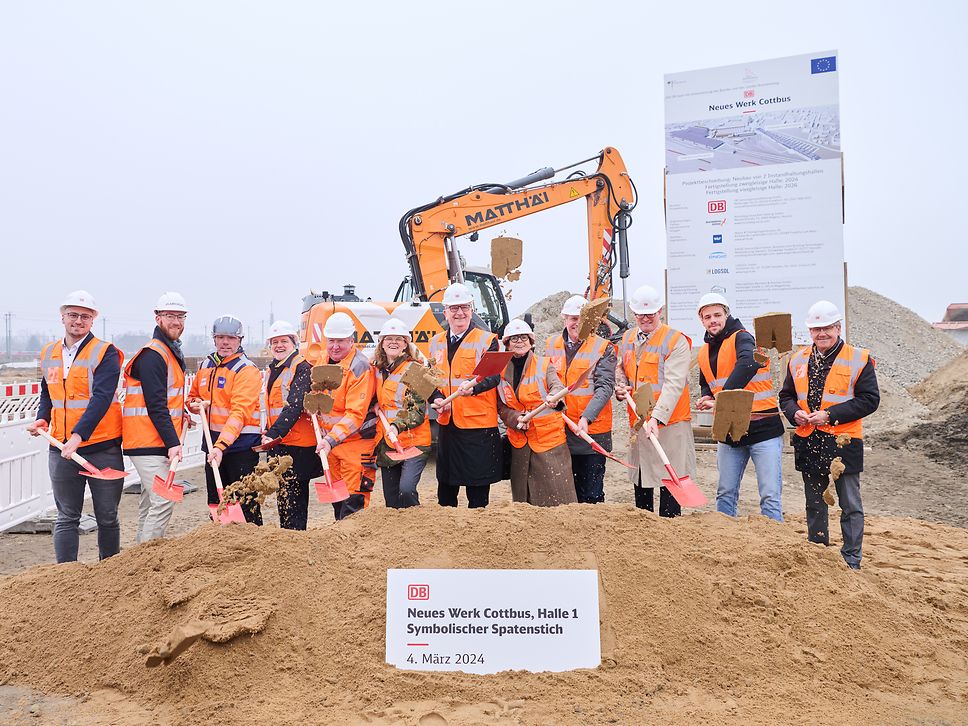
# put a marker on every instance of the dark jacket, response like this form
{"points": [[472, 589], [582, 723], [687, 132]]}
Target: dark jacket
{"points": [[298, 388], [603, 382], [814, 453], [746, 367], [151, 369]]}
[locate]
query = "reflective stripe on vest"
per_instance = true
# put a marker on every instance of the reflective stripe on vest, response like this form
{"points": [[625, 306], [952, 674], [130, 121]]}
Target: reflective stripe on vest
{"points": [[761, 384], [838, 386]]}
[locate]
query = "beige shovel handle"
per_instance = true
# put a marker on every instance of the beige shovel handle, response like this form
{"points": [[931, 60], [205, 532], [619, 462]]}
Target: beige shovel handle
{"points": [[173, 466], [208, 439], [386, 425], [554, 399], [75, 456], [455, 394], [319, 440]]}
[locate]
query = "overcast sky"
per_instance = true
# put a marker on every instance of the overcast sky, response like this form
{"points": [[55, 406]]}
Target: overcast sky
{"points": [[244, 152]]}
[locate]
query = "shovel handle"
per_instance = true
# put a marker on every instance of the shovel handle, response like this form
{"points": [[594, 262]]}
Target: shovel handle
{"points": [[665, 459], [181, 440], [319, 440], [579, 433], [455, 394], [75, 456], [386, 427], [208, 439]]}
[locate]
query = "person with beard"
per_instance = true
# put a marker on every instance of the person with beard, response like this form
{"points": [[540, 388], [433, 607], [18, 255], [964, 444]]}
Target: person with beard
{"points": [[154, 411], [726, 363]]}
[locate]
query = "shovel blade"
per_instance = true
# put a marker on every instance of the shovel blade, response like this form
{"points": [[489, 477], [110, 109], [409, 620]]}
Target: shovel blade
{"points": [[685, 492], [265, 447], [167, 489], [330, 493], [231, 514], [408, 453], [109, 474]]}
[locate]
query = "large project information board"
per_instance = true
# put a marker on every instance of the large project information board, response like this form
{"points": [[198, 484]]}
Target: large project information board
{"points": [[754, 201]]}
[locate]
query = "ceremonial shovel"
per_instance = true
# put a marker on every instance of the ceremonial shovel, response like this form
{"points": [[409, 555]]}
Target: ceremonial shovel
{"points": [[89, 468], [591, 442], [327, 490], [167, 488], [491, 363], [233, 510], [556, 397], [401, 454]]}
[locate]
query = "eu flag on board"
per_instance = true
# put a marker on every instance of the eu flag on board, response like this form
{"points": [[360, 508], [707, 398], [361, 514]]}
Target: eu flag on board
{"points": [[823, 65]]}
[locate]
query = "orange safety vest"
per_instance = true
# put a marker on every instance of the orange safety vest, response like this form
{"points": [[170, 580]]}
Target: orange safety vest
{"points": [[761, 384], [650, 366], [546, 430], [138, 430], [469, 412], [390, 394], [352, 400], [232, 388], [587, 356], [837, 388], [301, 433], [71, 395]]}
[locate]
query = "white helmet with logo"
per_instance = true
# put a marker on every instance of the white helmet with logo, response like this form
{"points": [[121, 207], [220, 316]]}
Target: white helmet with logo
{"points": [[573, 305], [458, 293], [171, 302], [339, 325], [712, 298], [80, 299], [283, 328], [227, 325], [393, 326], [823, 313], [645, 300], [518, 327]]}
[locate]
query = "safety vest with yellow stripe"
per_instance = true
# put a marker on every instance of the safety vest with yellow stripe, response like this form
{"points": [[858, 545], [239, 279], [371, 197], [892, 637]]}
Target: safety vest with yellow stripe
{"points": [[390, 395], [138, 430], [587, 356], [764, 398], [469, 412], [838, 387], [69, 396], [650, 366], [301, 433], [546, 430], [352, 401], [232, 388]]}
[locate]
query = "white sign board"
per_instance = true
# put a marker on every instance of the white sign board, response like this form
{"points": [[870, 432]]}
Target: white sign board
{"points": [[754, 206], [487, 621]]}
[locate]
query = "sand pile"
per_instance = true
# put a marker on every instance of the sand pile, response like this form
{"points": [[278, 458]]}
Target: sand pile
{"points": [[704, 619]]}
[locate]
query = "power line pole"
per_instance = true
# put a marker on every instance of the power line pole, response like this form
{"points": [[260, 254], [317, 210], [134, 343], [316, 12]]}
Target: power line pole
{"points": [[7, 319], [104, 328]]}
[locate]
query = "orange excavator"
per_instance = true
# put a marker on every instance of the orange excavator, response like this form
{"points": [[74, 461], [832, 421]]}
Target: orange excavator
{"points": [[430, 233]]}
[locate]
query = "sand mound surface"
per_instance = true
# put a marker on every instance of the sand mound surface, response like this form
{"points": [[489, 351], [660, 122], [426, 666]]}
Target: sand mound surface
{"points": [[704, 619]]}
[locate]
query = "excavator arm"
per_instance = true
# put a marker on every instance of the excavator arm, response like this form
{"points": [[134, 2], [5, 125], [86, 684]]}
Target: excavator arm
{"points": [[429, 231]]}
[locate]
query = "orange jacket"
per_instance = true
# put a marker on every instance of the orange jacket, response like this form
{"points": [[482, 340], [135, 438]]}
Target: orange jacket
{"points": [[232, 387], [546, 430], [469, 412], [837, 388], [139, 431], [352, 400], [277, 397], [764, 398], [587, 356], [650, 366], [69, 397], [390, 394]]}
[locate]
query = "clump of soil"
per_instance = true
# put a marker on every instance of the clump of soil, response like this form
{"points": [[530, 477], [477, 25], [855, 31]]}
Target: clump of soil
{"points": [[326, 377], [842, 440], [591, 316], [264, 481], [317, 402], [836, 469], [506, 258], [423, 380], [774, 330]]}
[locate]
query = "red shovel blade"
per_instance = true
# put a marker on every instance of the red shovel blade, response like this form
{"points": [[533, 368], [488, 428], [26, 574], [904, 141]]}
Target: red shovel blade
{"points": [[601, 450], [167, 489], [231, 513], [685, 492], [265, 447], [330, 492], [492, 363], [402, 454], [109, 474]]}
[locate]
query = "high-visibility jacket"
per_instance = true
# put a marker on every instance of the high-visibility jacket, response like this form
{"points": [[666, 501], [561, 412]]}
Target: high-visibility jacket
{"points": [[232, 387], [138, 430], [69, 396], [469, 412], [650, 366], [352, 401], [764, 397], [587, 356], [546, 430], [838, 387], [301, 433], [390, 392]]}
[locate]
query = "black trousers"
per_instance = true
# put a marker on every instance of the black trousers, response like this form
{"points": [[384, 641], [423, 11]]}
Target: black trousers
{"points": [[477, 496], [668, 506], [234, 466], [588, 471], [341, 510], [293, 499], [851, 513]]}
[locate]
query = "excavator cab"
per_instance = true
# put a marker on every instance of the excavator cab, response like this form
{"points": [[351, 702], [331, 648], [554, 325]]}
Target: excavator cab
{"points": [[490, 310]]}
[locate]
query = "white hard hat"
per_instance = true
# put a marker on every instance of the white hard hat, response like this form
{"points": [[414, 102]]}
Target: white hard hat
{"points": [[281, 328], [712, 298], [339, 325], [573, 305], [171, 301], [458, 294], [80, 299], [645, 300], [823, 313], [396, 327], [227, 324], [518, 327]]}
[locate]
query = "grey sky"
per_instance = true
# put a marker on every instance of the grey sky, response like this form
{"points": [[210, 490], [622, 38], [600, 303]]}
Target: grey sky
{"points": [[244, 152]]}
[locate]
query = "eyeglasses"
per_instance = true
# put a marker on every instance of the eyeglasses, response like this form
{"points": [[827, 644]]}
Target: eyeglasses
{"points": [[83, 317], [459, 308], [519, 338], [826, 329], [650, 316], [173, 316]]}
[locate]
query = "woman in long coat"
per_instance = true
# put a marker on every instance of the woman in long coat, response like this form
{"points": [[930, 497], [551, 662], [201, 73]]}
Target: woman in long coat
{"points": [[540, 460]]}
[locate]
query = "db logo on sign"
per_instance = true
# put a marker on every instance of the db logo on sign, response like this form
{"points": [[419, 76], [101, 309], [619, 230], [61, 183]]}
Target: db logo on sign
{"points": [[717, 206], [418, 592]]}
